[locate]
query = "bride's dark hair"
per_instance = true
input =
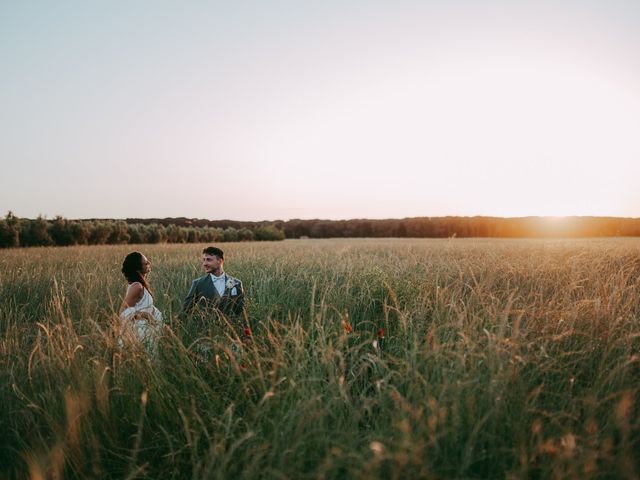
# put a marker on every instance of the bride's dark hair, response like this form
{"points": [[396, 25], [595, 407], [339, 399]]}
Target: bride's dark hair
{"points": [[132, 269]]}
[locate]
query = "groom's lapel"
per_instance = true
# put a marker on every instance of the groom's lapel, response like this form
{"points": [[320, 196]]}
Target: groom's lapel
{"points": [[211, 291], [226, 279]]}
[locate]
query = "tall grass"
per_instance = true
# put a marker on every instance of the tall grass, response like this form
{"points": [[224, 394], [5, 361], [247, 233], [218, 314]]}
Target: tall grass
{"points": [[369, 359]]}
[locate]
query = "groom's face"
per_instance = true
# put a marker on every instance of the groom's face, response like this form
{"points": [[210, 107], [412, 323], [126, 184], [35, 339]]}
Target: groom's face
{"points": [[211, 263]]}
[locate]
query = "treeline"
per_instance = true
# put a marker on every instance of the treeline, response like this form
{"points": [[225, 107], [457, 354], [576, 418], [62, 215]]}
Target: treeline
{"points": [[431, 227], [23, 232], [444, 227]]}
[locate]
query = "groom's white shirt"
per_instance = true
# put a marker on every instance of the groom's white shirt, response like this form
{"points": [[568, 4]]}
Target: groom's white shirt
{"points": [[218, 282]]}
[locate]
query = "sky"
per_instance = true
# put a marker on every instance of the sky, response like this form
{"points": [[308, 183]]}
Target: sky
{"points": [[265, 110]]}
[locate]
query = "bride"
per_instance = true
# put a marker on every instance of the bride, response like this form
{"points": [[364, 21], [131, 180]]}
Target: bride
{"points": [[140, 319]]}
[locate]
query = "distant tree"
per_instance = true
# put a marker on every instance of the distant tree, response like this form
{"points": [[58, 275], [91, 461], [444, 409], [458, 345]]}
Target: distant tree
{"points": [[9, 235], [99, 233], [296, 228], [245, 235], [79, 232], [156, 233], [330, 229], [137, 233], [365, 229], [212, 234], [193, 235], [119, 233], [176, 234], [60, 232], [36, 232], [268, 232], [10, 231], [230, 235]]}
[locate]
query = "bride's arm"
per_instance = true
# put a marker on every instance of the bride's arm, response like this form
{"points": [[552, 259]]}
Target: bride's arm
{"points": [[133, 296]]}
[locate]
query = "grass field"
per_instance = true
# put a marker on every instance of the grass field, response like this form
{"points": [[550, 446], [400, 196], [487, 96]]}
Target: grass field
{"points": [[370, 359]]}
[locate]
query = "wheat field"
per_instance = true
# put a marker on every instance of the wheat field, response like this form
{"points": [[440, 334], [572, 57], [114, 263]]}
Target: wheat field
{"points": [[370, 359]]}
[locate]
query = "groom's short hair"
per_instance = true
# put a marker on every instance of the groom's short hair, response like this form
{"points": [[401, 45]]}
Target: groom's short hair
{"points": [[214, 251]]}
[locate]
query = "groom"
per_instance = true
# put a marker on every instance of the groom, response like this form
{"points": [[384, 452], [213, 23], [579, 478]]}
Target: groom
{"points": [[216, 295]]}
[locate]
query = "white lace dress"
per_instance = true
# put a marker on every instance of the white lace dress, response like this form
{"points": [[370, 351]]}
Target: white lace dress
{"points": [[143, 321]]}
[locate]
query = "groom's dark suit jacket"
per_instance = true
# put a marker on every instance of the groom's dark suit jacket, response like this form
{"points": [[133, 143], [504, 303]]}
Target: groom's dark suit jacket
{"points": [[204, 296]]}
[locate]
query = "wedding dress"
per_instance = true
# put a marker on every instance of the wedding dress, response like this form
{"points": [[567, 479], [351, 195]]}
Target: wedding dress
{"points": [[143, 321]]}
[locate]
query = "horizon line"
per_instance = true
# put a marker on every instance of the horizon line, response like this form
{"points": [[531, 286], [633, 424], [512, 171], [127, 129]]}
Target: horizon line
{"points": [[522, 217]]}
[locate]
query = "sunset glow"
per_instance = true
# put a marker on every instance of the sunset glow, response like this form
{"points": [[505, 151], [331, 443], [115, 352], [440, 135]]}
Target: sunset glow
{"points": [[336, 111]]}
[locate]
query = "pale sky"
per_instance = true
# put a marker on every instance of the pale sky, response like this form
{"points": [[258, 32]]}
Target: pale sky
{"points": [[263, 110]]}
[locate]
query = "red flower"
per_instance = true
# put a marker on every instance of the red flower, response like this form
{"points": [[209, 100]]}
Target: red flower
{"points": [[347, 327], [381, 332], [247, 332]]}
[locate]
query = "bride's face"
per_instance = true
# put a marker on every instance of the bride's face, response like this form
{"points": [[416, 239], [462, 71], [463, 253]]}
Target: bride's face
{"points": [[146, 265]]}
